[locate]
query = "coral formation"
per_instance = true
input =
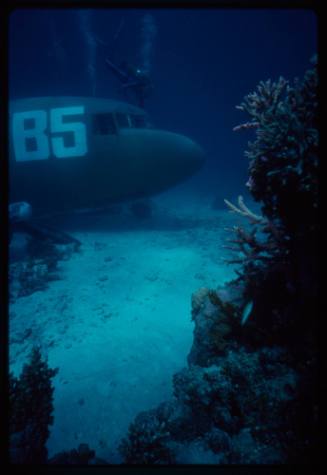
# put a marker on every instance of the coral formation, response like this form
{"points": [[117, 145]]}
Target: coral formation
{"points": [[147, 440], [215, 319], [30, 415], [283, 160], [283, 177], [248, 394], [244, 395], [82, 456], [38, 267], [31, 408]]}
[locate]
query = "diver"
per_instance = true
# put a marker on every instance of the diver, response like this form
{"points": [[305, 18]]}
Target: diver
{"points": [[19, 212], [134, 79]]}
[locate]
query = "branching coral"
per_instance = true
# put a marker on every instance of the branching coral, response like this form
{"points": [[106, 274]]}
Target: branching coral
{"points": [[283, 176], [284, 157], [247, 387], [243, 210], [253, 252]]}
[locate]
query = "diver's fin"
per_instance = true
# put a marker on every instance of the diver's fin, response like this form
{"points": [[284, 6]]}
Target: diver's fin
{"points": [[122, 75]]}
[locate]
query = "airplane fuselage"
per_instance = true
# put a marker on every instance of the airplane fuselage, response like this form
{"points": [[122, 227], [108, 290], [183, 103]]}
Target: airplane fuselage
{"points": [[68, 153]]}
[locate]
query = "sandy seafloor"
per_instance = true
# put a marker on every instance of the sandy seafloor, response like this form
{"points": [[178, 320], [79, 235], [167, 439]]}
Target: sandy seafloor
{"points": [[118, 322]]}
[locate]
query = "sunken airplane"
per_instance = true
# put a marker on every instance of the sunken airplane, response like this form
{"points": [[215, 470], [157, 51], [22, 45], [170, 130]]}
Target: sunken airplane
{"points": [[70, 153]]}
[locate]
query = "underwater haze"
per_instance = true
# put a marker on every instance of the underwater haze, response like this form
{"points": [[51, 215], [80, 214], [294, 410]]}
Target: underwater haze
{"points": [[131, 301]]}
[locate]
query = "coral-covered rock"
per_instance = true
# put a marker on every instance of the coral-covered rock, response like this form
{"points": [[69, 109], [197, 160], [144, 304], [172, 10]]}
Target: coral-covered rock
{"points": [[217, 323], [207, 392], [198, 300], [218, 440], [31, 407], [147, 441], [248, 394], [245, 449], [37, 266], [196, 452], [247, 408], [82, 456]]}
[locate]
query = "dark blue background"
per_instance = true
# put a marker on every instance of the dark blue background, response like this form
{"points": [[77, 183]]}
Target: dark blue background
{"points": [[204, 62]]}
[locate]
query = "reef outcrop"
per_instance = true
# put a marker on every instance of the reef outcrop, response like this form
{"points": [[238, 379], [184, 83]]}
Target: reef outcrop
{"points": [[249, 394]]}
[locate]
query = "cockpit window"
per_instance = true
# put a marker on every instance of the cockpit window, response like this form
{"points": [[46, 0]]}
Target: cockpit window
{"points": [[138, 121], [122, 120], [134, 121], [104, 124], [107, 123]]}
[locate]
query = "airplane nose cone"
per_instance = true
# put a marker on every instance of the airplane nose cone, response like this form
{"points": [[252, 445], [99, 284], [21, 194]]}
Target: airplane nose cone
{"points": [[182, 155], [191, 153], [160, 159]]}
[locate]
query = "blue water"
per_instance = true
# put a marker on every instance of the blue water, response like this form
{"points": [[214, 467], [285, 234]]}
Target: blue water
{"points": [[203, 62]]}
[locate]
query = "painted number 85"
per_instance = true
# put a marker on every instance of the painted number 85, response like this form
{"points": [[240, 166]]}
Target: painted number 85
{"points": [[42, 145]]}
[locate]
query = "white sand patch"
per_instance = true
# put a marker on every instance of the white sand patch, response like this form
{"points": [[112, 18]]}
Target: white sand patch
{"points": [[118, 324]]}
